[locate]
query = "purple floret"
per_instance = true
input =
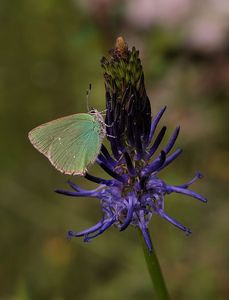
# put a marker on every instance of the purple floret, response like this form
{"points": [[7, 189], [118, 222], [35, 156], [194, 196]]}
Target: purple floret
{"points": [[135, 193]]}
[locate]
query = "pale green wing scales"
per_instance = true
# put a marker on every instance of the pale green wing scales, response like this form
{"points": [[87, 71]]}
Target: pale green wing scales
{"points": [[71, 143]]}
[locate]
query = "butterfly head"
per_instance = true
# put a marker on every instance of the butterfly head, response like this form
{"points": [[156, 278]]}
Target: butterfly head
{"points": [[97, 114], [99, 117]]}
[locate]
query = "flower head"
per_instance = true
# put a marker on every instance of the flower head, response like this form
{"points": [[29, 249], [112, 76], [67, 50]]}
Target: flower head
{"points": [[135, 191]]}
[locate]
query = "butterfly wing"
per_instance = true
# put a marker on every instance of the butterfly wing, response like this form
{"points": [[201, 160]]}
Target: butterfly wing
{"points": [[70, 143]]}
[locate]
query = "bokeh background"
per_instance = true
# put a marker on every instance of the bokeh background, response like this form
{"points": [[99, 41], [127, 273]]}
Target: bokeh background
{"points": [[50, 51]]}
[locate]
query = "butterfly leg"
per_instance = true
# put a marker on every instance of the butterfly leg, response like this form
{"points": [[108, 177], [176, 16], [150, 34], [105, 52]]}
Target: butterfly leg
{"points": [[109, 126], [112, 136]]}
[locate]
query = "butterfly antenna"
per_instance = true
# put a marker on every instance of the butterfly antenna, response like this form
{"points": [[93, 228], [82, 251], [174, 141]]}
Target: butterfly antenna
{"points": [[87, 98]]}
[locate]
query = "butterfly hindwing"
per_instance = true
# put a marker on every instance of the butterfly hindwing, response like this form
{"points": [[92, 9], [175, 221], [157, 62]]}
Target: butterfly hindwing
{"points": [[70, 143]]}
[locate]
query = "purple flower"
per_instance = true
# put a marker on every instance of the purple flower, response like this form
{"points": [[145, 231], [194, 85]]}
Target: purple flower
{"points": [[135, 192]]}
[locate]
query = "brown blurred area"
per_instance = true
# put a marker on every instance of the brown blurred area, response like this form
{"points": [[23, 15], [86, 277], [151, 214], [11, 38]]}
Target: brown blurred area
{"points": [[49, 53]]}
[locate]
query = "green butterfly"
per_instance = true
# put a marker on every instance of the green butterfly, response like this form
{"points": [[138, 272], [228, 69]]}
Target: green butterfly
{"points": [[71, 143]]}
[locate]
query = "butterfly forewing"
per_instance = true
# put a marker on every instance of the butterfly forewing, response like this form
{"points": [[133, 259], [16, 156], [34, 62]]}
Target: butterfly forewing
{"points": [[70, 143]]}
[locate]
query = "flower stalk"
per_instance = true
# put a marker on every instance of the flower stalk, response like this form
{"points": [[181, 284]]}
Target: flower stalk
{"points": [[154, 271]]}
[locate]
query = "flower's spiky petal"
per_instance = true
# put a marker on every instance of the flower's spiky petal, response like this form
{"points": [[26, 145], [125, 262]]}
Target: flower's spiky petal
{"points": [[146, 235], [75, 187], [78, 192], [196, 177], [130, 211], [108, 223], [106, 154], [174, 222], [172, 140], [155, 165], [155, 122], [129, 164], [184, 191], [104, 160], [99, 180], [156, 144], [109, 171], [86, 231], [70, 193], [78, 189], [170, 159]]}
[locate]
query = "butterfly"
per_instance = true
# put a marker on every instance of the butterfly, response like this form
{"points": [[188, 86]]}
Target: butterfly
{"points": [[71, 143]]}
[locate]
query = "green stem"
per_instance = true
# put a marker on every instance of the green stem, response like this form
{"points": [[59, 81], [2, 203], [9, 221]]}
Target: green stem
{"points": [[155, 271]]}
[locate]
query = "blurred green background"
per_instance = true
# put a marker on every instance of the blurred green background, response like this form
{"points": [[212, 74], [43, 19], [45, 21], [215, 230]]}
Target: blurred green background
{"points": [[50, 51]]}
